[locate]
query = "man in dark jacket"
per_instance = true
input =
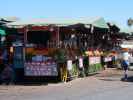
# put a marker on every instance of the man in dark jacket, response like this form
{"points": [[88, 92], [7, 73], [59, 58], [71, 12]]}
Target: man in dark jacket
{"points": [[6, 75]]}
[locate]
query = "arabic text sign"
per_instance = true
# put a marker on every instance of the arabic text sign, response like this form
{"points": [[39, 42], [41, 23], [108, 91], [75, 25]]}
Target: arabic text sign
{"points": [[40, 69]]}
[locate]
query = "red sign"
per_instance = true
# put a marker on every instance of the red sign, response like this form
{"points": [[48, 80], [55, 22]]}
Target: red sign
{"points": [[39, 28], [21, 30], [34, 28]]}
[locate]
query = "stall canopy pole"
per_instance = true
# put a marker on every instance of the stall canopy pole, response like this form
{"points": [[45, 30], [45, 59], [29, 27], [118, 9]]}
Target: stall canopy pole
{"points": [[25, 35], [25, 41], [92, 32], [58, 37]]}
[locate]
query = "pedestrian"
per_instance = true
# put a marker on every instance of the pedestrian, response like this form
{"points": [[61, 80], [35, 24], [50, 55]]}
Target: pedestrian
{"points": [[6, 75], [125, 63], [125, 68], [5, 56]]}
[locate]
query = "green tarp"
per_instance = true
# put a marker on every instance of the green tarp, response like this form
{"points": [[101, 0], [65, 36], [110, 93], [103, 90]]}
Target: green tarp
{"points": [[100, 22], [2, 32], [9, 19], [94, 21], [126, 30]]}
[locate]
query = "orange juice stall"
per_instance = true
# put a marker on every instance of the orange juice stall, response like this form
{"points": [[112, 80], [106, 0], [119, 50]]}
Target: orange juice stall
{"points": [[38, 62], [33, 54], [44, 53]]}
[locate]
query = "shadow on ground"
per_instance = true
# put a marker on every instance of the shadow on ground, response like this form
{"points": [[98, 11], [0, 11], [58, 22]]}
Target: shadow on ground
{"points": [[34, 81], [129, 79], [38, 81], [107, 79]]}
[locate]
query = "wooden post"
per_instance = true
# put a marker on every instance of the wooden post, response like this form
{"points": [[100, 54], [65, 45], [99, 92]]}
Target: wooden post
{"points": [[92, 31], [58, 36], [24, 45]]}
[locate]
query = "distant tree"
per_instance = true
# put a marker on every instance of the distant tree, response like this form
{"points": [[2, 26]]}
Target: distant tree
{"points": [[130, 22]]}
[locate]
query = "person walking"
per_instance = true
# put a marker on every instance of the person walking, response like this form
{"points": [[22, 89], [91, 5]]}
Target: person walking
{"points": [[7, 74], [125, 63]]}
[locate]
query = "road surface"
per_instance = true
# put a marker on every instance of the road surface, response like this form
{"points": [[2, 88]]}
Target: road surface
{"points": [[103, 86]]}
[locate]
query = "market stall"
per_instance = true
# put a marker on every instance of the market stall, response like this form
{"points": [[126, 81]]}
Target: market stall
{"points": [[56, 47], [3, 49], [94, 59], [32, 56]]}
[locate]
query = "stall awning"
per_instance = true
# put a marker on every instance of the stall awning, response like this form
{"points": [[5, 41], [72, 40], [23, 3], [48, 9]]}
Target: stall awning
{"points": [[127, 44], [95, 21], [126, 30], [9, 19], [99, 22], [2, 32]]}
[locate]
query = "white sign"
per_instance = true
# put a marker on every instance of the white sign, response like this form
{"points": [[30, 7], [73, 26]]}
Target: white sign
{"points": [[97, 60], [130, 59], [107, 59], [69, 65], [80, 62], [41, 69], [91, 60], [94, 60]]}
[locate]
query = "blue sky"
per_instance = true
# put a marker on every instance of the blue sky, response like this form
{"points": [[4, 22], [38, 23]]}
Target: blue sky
{"points": [[112, 10]]}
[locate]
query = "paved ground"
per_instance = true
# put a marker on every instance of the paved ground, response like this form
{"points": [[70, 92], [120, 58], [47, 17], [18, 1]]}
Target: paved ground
{"points": [[103, 86]]}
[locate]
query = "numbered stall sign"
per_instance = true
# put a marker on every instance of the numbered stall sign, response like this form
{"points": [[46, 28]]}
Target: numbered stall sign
{"points": [[69, 65]]}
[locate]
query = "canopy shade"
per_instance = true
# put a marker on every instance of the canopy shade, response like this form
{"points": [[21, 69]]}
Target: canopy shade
{"points": [[95, 21], [100, 22], [115, 27], [122, 29], [9, 19], [126, 30], [127, 46], [2, 32]]}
